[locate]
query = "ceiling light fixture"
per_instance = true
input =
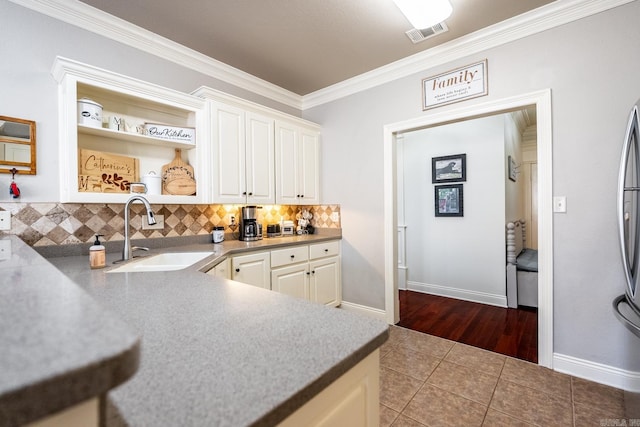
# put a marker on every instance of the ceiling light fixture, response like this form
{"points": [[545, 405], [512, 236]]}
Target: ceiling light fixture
{"points": [[424, 13]]}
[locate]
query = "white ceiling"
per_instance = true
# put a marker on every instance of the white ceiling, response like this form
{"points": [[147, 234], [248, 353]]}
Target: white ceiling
{"points": [[303, 45]]}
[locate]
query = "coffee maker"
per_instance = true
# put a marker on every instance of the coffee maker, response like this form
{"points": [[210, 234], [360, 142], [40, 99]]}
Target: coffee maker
{"points": [[250, 229]]}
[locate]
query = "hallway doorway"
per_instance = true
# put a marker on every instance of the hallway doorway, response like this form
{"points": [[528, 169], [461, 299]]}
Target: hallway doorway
{"points": [[542, 101]]}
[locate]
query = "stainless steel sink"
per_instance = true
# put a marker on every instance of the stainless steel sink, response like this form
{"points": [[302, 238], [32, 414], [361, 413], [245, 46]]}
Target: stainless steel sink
{"points": [[168, 261]]}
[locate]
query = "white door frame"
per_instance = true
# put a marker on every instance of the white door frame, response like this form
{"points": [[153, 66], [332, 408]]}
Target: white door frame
{"points": [[542, 101]]}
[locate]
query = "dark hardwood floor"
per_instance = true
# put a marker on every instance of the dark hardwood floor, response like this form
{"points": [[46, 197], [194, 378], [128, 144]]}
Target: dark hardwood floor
{"points": [[509, 331]]}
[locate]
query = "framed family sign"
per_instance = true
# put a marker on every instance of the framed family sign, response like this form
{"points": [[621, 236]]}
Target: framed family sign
{"points": [[455, 85]]}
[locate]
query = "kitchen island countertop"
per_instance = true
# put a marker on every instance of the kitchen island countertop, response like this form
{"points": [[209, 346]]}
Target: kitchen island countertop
{"points": [[218, 352]]}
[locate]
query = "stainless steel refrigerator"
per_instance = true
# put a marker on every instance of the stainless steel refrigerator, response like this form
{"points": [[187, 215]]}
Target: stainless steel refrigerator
{"points": [[627, 307]]}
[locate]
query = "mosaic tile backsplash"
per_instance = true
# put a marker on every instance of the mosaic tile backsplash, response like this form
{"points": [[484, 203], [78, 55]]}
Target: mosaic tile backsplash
{"points": [[45, 224]]}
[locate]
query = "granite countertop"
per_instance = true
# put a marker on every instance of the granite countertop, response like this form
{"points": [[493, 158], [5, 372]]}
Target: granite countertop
{"points": [[218, 352], [58, 346]]}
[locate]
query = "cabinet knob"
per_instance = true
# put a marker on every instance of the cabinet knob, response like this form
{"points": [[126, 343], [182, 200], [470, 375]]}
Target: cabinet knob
{"points": [[293, 256], [313, 272], [302, 195], [326, 250], [244, 193], [237, 270], [251, 194], [308, 273]]}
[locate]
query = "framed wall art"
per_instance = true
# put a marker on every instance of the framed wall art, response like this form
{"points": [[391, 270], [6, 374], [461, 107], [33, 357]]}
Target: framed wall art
{"points": [[512, 169], [449, 200], [449, 168]]}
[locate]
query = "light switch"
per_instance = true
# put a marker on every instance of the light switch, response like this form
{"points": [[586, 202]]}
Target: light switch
{"points": [[560, 204]]}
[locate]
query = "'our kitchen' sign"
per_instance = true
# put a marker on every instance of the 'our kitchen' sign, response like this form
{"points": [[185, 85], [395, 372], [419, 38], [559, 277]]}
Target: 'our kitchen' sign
{"points": [[453, 86]]}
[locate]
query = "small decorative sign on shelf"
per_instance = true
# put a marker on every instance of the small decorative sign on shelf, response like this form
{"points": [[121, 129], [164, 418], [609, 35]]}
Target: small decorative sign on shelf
{"points": [[105, 172], [171, 133]]}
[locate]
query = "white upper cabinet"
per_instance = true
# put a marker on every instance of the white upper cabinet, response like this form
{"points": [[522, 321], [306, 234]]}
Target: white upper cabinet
{"points": [[297, 164], [243, 155], [261, 155], [136, 103]]}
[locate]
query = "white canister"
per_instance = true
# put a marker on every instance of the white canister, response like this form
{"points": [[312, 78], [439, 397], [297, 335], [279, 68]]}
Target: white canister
{"points": [[153, 183], [89, 113], [218, 234]]}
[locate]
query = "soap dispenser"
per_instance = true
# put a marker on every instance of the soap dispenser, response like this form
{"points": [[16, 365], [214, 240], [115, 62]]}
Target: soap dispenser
{"points": [[97, 254]]}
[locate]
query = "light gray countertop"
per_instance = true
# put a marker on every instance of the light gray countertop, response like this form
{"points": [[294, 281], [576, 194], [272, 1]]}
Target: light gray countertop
{"points": [[58, 347], [218, 352]]}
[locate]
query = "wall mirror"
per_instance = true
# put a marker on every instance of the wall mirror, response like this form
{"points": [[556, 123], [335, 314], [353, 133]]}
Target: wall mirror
{"points": [[17, 146]]}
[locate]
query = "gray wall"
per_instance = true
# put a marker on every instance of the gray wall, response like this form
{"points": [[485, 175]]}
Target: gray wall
{"points": [[29, 43], [591, 66]]}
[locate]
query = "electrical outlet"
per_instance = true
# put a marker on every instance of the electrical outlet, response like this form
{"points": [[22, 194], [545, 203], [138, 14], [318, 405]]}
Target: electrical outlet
{"points": [[335, 216], [5, 250], [5, 220], [159, 225], [233, 220]]}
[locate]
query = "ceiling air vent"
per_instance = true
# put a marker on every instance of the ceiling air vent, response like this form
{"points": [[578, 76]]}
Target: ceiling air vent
{"points": [[416, 36]]}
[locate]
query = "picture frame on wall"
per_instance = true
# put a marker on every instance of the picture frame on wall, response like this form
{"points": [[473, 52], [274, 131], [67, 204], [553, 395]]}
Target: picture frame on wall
{"points": [[449, 200], [512, 169], [449, 168]]}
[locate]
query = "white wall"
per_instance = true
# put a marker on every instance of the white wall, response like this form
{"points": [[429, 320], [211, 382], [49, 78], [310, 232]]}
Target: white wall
{"points": [[591, 68], [513, 190], [461, 257]]}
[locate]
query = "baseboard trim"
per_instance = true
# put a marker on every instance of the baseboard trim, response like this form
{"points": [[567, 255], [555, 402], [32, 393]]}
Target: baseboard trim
{"points": [[463, 294], [597, 372], [363, 309]]}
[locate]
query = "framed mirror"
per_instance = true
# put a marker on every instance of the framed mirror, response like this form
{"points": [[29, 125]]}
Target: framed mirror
{"points": [[17, 146]]}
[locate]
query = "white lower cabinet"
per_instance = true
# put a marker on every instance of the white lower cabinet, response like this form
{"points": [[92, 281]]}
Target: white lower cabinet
{"points": [[222, 269], [351, 400], [311, 272], [253, 269]]}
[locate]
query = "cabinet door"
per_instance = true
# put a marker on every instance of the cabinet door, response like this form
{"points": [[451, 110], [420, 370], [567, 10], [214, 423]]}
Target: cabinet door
{"points": [[252, 269], [325, 285], [223, 270], [228, 134], [308, 173], [286, 164], [292, 280], [260, 166]]}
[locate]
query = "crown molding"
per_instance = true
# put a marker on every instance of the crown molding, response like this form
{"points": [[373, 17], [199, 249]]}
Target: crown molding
{"points": [[546, 17], [91, 19], [541, 19]]}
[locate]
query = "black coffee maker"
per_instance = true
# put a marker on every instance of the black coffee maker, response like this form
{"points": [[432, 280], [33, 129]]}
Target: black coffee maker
{"points": [[250, 229]]}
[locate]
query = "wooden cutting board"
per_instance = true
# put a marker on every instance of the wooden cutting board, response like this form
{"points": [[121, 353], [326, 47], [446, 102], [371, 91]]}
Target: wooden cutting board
{"points": [[178, 178], [100, 172]]}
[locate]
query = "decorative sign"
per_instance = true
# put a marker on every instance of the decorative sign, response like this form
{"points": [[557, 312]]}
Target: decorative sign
{"points": [[105, 172], [453, 86]]}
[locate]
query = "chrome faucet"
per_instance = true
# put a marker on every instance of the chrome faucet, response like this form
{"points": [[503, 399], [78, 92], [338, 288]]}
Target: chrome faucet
{"points": [[127, 250]]}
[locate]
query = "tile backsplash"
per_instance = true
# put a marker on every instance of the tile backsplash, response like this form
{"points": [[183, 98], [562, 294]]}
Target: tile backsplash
{"points": [[45, 224]]}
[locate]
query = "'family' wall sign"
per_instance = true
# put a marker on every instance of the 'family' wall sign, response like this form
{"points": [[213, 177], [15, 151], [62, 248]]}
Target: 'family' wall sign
{"points": [[453, 86]]}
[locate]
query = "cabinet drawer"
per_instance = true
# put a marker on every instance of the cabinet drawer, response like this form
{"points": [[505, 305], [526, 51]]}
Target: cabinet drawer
{"points": [[321, 250], [288, 256]]}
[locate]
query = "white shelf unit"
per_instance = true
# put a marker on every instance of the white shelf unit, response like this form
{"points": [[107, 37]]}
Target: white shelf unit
{"points": [[137, 102]]}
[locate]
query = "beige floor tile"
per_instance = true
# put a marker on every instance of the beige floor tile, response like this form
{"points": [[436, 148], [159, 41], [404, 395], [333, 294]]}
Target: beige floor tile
{"points": [[404, 421], [397, 389], [435, 407], [532, 406], [463, 381], [587, 415], [410, 362], [428, 344], [602, 398], [498, 419], [476, 358], [537, 377], [387, 416]]}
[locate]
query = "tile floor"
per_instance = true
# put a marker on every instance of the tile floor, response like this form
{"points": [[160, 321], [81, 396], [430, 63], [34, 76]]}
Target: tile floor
{"points": [[431, 381]]}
